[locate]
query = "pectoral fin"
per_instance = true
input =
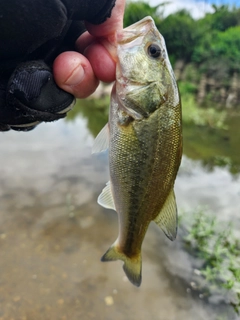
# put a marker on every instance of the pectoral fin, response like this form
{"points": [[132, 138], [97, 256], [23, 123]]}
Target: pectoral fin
{"points": [[105, 199], [101, 142], [167, 218]]}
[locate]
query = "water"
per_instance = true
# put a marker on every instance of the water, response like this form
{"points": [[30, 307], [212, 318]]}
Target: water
{"points": [[53, 233]]}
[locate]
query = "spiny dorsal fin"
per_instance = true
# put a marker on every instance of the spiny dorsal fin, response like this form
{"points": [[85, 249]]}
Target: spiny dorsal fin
{"points": [[101, 142], [167, 218], [105, 199]]}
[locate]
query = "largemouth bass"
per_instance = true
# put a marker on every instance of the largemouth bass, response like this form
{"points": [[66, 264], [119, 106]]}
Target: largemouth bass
{"points": [[145, 143]]}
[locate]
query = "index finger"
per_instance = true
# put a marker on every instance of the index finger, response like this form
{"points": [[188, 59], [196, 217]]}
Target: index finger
{"points": [[111, 25]]}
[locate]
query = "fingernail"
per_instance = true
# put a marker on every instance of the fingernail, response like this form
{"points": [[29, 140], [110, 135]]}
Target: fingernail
{"points": [[76, 77]]}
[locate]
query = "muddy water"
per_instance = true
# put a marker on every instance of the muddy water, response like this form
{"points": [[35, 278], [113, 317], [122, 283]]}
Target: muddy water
{"points": [[53, 233]]}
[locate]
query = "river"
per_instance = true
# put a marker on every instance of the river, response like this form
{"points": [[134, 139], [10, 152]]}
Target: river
{"points": [[53, 233]]}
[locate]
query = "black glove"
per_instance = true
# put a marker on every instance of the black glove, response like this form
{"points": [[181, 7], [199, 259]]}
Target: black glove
{"points": [[32, 35]]}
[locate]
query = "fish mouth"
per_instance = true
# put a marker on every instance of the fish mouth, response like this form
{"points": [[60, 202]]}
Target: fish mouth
{"points": [[136, 30]]}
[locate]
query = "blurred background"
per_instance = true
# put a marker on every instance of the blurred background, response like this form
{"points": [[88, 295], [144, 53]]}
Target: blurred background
{"points": [[53, 233]]}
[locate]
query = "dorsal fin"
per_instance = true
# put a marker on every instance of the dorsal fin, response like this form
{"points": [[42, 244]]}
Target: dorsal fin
{"points": [[167, 217], [101, 142], [105, 199]]}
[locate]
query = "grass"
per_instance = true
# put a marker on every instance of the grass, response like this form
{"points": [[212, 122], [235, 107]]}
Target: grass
{"points": [[199, 116], [219, 250], [192, 113]]}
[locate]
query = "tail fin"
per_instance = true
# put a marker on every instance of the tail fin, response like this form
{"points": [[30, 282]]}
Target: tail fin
{"points": [[132, 266]]}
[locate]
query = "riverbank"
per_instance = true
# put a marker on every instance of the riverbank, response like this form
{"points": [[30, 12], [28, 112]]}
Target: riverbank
{"points": [[53, 234]]}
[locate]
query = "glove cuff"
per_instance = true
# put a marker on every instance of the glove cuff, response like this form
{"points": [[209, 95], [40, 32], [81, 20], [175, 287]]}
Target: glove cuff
{"points": [[31, 97]]}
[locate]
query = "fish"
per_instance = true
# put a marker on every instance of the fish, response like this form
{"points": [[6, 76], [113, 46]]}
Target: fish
{"points": [[144, 141]]}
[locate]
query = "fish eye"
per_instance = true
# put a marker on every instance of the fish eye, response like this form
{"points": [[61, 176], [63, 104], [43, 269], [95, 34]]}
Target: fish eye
{"points": [[154, 50]]}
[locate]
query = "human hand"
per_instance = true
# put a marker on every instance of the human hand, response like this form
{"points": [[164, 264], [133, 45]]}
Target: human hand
{"points": [[28, 92], [79, 72]]}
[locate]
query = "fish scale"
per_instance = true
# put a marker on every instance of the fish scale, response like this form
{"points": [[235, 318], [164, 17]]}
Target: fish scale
{"points": [[145, 144]]}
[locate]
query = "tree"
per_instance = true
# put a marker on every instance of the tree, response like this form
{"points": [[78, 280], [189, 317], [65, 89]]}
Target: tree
{"points": [[222, 18], [219, 50], [180, 35], [136, 11]]}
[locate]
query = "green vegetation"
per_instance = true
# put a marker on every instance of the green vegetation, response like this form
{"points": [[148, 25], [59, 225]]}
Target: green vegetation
{"points": [[216, 35], [202, 117], [210, 45], [223, 45], [136, 11], [94, 110], [219, 250], [180, 34], [208, 135], [194, 114]]}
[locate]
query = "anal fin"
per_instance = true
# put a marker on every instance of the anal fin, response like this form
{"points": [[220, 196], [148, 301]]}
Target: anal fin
{"points": [[167, 217], [105, 198]]}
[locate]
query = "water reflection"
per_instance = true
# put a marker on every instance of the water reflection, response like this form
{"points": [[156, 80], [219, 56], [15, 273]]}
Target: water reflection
{"points": [[208, 175], [95, 111], [217, 191], [53, 233], [213, 147]]}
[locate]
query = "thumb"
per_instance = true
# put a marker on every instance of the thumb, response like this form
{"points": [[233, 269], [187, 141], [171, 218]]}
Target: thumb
{"points": [[111, 25], [74, 74]]}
